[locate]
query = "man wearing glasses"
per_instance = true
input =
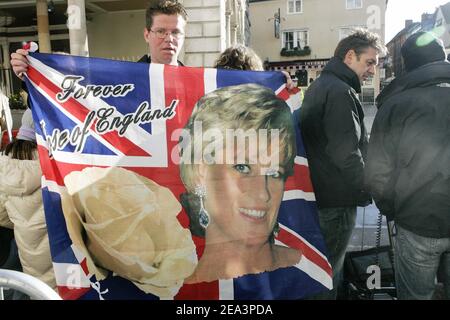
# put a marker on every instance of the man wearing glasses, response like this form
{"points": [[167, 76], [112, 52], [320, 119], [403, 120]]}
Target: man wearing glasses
{"points": [[164, 31]]}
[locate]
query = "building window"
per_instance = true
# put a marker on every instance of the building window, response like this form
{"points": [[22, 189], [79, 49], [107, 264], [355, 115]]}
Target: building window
{"points": [[295, 39], [382, 73], [368, 82], [439, 23], [346, 31], [354, 4], [302, 78], [295, 6], [368, 96]]}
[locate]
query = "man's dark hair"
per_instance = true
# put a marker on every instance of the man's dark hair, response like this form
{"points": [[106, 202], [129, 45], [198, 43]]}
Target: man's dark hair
{"points": [[359, 41], [168, 7]]}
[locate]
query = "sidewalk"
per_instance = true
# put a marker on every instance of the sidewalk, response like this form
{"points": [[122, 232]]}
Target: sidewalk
{"points": [[364, 234]]}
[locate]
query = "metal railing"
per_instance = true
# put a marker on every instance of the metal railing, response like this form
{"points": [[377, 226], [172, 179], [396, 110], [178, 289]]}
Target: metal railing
{"points": [[29, 285]]}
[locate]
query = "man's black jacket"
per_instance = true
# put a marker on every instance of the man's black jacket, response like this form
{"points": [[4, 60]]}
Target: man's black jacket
{"points": [[408, 167], [335, 137]]}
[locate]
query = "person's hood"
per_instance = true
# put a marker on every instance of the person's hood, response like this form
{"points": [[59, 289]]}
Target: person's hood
{"points": [[19, 177], [343, 72], [427, 75]]}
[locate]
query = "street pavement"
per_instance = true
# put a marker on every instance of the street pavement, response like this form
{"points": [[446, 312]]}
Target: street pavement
{"points": [[364, 234]]}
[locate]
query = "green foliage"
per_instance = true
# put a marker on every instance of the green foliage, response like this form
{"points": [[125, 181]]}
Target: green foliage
{"points": [[16, 102], [306, 51]]}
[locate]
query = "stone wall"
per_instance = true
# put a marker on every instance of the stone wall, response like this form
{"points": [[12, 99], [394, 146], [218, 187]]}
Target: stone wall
{"points": [[205, 32]]}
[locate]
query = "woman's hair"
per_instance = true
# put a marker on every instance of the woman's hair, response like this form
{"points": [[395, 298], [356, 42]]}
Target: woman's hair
{"points": [[24, 146], [239, 57], [21, 149], [247, 106]]}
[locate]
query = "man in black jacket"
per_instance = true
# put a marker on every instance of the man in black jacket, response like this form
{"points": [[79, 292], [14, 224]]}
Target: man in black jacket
{"points": [[408, 167], [335, 137]]}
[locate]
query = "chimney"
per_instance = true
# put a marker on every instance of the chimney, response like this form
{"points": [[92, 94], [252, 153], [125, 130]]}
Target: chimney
{"points": [[424, 18], [427, 21], [427, 17], [408, 23]]}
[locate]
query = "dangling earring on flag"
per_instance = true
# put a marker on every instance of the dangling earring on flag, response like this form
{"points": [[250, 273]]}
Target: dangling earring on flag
{"points": [[276, 229], [274, 233], [203, 215]]}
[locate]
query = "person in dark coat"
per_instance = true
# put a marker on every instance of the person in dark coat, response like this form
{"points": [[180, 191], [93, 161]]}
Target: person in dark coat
{"points": [[335, 137], [408, 167]]}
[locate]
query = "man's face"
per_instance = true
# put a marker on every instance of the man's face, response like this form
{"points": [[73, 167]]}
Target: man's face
{"points": [[165, 50], [364, 65]]}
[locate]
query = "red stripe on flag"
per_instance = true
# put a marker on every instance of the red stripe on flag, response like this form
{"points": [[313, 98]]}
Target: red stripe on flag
{"points": [[187, 86], [199, 291], [283, 94], [294, 90], [300, 180], [84, 266], [57, 170], [80, 112], [71, 293], [49, 167], [292, 241]]}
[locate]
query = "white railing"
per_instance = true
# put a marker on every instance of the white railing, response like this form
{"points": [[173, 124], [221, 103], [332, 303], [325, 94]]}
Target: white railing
{"points": [[5, 116], [29, 285]]}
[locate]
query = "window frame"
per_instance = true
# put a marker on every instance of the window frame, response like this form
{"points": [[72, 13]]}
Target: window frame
{"points": [[354, 7], [295, 12], [295, 37], [364, 94]]}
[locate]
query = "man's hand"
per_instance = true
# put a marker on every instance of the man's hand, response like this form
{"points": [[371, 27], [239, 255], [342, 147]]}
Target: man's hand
{"points": [[289, 83], [19, 62]]}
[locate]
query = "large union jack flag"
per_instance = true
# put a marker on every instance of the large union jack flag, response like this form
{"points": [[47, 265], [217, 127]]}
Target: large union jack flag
{"points": [[144, 149]]}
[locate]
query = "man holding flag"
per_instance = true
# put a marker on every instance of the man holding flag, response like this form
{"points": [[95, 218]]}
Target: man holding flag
{"points": [[164, 33]]}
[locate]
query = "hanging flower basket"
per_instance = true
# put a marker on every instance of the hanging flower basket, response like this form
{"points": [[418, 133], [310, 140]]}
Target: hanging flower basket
{"points": [[16, 102], [306, 51]]}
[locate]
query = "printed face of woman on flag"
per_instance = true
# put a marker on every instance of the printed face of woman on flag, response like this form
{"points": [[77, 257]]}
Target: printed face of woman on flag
{"points": [[243, 200], [233, 198]]}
